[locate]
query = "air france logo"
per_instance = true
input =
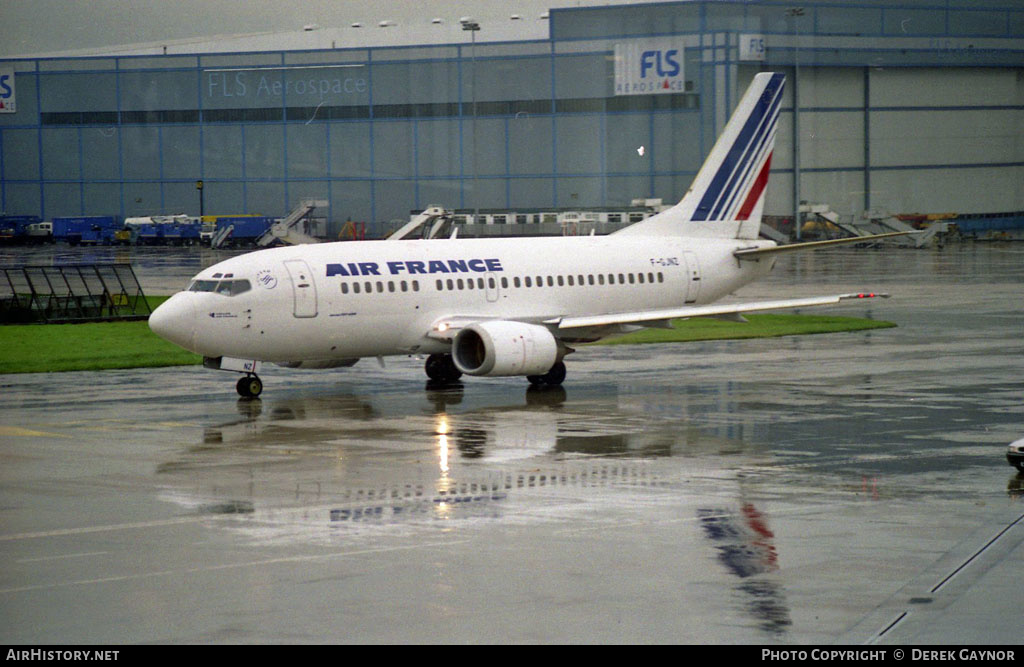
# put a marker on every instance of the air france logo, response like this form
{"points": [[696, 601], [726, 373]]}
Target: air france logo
{"points": [[412, 267], [649, 66], [266, 279]]}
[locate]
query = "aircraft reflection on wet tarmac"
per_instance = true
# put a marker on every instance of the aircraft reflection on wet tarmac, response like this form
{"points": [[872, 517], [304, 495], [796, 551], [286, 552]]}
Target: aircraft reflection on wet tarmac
{"points": [[481, 431], [585, 454], [486, 460], [746, 547]]}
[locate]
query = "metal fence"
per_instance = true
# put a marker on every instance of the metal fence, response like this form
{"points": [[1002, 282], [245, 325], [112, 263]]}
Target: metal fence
{"points": [[71, 293]]}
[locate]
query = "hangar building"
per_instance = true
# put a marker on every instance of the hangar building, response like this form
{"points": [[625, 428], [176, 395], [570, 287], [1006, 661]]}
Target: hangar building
{"points": [[902, 106]]}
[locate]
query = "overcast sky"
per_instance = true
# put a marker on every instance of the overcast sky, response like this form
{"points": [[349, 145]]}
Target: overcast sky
{"points": [[47, 26]]}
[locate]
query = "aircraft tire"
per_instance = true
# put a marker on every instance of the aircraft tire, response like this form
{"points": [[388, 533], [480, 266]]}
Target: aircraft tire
{"points": [[249, 386], [554, 377], [441, 368]]}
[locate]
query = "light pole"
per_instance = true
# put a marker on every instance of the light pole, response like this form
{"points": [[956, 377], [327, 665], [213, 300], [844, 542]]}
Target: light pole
{"points": [[468, 23], [793, 13]]}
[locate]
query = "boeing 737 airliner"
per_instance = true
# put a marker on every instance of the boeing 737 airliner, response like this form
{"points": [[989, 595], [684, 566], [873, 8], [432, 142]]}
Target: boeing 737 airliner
{"points": [[495, 307]]}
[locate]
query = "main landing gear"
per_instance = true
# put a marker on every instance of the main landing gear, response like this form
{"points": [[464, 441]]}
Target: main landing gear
{"points": [[552, 378], [441, 369], [249, 386]]}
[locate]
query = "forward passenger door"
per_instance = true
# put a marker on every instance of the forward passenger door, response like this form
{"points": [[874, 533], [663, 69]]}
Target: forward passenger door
{"points": [[303, 287]]}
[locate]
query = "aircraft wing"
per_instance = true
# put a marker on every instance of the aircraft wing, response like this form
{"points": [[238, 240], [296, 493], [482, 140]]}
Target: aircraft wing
{"points": [[660, 318]]}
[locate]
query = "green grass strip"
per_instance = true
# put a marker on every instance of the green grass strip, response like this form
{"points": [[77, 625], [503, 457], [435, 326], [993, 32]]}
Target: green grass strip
{"points": [[93, 346], [758, 326], [44, 348]]}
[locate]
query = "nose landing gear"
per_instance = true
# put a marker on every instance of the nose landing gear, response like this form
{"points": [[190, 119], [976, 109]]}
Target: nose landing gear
{"points": [[249, 386]]}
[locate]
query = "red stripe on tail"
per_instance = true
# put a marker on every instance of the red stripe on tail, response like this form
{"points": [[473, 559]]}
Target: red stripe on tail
{"points": [[755, 191]]}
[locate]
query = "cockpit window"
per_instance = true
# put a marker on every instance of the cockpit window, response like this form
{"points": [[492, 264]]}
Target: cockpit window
{"points": [[240, 287], [223, 287], [203, 286]]}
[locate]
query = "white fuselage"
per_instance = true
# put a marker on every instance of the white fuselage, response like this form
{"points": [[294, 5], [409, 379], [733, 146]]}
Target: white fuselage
{"points": [[338, 301]]}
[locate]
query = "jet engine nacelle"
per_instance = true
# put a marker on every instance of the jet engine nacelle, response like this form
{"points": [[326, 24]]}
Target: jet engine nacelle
{"points": [[504, 348]]}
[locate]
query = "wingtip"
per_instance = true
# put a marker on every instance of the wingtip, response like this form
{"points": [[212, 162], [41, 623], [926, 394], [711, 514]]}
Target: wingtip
{"points": [[864, 295]]}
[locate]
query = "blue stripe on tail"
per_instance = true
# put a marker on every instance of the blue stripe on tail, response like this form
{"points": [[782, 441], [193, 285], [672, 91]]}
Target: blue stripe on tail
{"points": [[723, 188]]}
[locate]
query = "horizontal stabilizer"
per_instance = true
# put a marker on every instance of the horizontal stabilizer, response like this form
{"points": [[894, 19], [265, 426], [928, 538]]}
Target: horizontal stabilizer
{"points": [[758, 253]]}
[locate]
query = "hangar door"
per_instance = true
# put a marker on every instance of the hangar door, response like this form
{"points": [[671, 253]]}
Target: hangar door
{"points": [[303, 287]]}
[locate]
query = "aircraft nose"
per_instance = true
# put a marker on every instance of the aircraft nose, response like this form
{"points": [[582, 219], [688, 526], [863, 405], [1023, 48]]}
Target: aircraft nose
{"points": [[175, 320]]}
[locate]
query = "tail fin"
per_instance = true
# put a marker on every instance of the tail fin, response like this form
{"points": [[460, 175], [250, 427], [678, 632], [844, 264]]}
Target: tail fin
{"points": [[727, 197]]}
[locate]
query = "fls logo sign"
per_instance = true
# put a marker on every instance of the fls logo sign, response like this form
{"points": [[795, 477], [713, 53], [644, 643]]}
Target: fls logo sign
{"points": [[7, 90], [665, 63], [649, 67]]}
